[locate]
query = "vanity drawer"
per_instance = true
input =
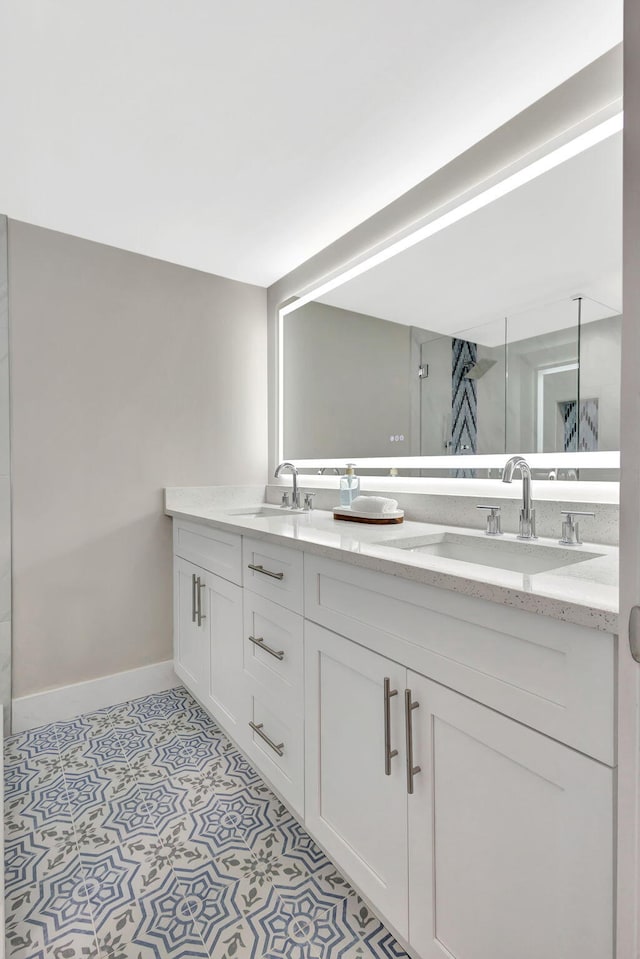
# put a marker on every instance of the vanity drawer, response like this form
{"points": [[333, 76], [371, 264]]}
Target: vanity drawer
{"points": [[275, 745], [210, 548], [273, 652], [553, 676], [274, 572]]}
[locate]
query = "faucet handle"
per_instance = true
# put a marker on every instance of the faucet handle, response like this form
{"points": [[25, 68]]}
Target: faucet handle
{"points": [[308, 501], [494, 523], [571, 528], [285, 500]]}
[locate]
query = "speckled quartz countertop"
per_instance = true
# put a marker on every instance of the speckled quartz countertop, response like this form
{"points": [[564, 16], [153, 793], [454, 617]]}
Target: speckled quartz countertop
{"points": [[584, 593]]}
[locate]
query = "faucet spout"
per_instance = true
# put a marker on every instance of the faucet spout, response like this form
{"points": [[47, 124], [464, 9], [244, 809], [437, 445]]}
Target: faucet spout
{"points": [[527, 526], [290, 468]]}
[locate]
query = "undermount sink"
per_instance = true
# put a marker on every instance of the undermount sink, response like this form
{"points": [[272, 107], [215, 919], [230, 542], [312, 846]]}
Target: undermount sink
{"points": [[259, 512], [501, 553]]}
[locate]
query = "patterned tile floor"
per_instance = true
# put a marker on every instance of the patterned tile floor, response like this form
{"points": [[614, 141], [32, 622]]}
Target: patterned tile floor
{"points": [[140, 831]]}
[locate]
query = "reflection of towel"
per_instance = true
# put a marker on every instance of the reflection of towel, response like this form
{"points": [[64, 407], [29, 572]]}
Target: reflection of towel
{"points": [[374, 504]]}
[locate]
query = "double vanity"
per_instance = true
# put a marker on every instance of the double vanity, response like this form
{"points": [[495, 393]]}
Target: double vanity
{"points": [[435, 705]]}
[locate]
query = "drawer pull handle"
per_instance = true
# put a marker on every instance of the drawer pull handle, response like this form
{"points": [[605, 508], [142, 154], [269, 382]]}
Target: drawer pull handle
{"points": [[259, 641], [412, 770], [265, 572], [257, 728], [389, 753]]}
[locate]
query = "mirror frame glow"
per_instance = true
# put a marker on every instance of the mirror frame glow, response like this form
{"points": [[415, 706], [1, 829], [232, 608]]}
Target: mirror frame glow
{"points": [[575, 460]]}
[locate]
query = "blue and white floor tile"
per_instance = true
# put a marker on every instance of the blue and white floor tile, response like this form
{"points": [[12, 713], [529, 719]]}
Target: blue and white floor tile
{"points": [[140, 832]]}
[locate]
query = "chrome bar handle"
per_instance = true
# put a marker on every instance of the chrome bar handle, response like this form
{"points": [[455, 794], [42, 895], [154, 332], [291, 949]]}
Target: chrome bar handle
{"points": [[257, 728], [201, 615], [412, 770], [194, 611], [260, 643], [389, 753], [265, 572]]}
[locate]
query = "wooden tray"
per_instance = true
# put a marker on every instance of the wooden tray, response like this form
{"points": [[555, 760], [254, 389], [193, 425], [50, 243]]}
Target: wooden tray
{"points": [[379, 520]]}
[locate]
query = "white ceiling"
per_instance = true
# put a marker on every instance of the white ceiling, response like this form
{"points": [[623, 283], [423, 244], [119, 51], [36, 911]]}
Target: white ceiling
{"points": [[241, 138], [524, 256]]}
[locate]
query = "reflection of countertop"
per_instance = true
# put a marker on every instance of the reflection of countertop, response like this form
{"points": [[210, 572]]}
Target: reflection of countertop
{"points": [[585, 593]]}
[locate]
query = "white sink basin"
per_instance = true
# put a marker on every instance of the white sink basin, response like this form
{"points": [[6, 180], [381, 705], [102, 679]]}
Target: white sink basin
{"points": [[500, 553], [260, 512]]}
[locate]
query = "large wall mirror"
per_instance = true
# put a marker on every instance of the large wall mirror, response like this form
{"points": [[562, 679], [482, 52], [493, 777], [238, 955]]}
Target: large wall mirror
{"points": [[500, 332]]}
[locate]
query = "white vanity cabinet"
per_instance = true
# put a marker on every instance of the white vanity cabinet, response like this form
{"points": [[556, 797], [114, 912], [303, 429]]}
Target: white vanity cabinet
{"points": [[207, 632], [273, 677], [510, 837], [274, 651], [357, 811], [223, 694], [274, 695], [274, 572], [455, 757], [505, 832], [190, 649], [555, 677], [473, 835]]}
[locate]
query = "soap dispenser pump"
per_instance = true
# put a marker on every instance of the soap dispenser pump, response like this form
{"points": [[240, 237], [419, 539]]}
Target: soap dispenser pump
{"points": [[349, 486]]}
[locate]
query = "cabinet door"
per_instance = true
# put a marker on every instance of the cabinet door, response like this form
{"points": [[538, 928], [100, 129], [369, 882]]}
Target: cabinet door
{"points": [[510, 838], [222, 619], [190, 641], [356, 811]]}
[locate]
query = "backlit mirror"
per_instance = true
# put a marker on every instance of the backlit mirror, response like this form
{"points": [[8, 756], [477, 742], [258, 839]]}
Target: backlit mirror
{"points": [[499, 332]]}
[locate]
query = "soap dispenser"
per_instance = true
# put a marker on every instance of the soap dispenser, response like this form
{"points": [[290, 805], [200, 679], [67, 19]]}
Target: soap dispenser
{"points": [[349, 486]]}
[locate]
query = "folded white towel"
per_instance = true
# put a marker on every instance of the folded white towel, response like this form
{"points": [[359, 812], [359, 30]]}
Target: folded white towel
{"points": [[374, 504]]}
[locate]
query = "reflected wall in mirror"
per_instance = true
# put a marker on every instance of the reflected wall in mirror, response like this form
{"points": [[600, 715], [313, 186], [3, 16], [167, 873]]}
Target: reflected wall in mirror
{"points": [[346, 382], [498, 333]]}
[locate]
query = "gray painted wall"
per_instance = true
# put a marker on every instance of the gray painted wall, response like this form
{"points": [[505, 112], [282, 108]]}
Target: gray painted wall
{"points": [[128, 375]]}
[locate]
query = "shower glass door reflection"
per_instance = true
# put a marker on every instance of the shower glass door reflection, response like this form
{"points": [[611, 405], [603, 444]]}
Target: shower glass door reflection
{"points": [[463, 391], [563, 377]]}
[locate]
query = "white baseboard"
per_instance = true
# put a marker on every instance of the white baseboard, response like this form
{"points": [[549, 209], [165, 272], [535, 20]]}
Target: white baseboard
{"points": [[66, 702]]}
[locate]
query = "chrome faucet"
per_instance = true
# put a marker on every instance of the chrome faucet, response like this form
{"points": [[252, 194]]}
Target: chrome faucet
{"points": [[527, 527], [290, 468]]}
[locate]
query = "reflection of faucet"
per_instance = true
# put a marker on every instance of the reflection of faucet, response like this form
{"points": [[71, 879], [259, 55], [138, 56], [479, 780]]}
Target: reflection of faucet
{"points": [[334, 468], [527, 513], [290, 468]]}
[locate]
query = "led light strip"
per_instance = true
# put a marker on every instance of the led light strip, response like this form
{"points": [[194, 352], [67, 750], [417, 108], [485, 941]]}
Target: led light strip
{"points": [[603, 459]]}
